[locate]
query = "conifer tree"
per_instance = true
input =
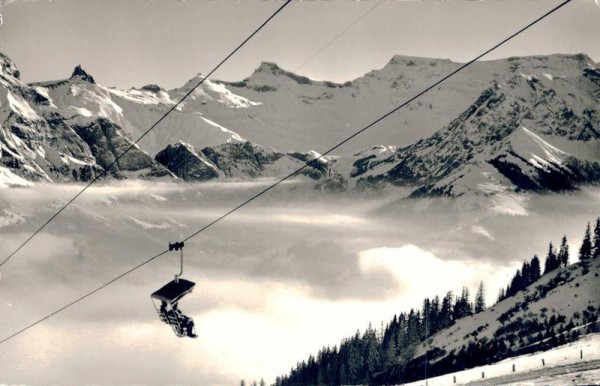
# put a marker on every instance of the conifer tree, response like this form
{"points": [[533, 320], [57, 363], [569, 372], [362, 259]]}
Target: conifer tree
{"points": [[456, 309], [463, 307], [563, 252], [501, 295], [516, 284], [354, 359], [551, 260], [446, 310], [468, 306], [535, 268], [585, 252], [526, 274], [402, 329], [412, 327], [596, 245], [434, 315], [426, 324], [480, 299], [371, 353]]}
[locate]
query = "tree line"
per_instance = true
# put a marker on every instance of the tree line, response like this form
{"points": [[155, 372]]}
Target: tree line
{"points": [[387, 355], [530, 271]]}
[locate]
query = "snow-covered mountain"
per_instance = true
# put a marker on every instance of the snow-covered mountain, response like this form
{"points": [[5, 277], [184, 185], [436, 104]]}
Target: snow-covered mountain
{"points": [[531, 131], [43, 141], [527, 123], [71, 129], [319, 114], [136, 110]]}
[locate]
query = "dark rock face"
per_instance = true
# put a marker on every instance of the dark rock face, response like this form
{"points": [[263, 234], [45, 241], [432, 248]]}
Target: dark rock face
{"points": [[79, 72], [107, 143], [151, 87], [241, 159], [8, 67], [316, 169], [558, 177], [182, 161]]}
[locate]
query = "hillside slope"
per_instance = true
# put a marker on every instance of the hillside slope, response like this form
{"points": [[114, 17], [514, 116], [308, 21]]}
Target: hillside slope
{"points": [[452, 334], [554, 309], [576, 362]]}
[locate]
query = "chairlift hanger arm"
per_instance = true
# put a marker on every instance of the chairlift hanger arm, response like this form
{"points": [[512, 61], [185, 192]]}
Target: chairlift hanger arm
{"points": [[178, 246]]}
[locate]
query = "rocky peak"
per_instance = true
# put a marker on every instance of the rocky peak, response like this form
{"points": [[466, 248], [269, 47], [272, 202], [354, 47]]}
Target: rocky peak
{"points": [[79, 72], [273, 70], [581, 58], [408, 61], [8, 66], [190, 84], [152, 87], [269, 67]]}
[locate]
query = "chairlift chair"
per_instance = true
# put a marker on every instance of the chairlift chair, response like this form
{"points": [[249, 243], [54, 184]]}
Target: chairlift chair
{"points": [[166, 299]]}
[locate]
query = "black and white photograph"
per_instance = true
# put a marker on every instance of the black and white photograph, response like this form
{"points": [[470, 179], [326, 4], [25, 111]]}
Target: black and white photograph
{"points": [[300, 192]]}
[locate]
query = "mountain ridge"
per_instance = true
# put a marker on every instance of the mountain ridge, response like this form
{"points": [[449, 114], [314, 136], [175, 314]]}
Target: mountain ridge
{"points": [[501, 123]]}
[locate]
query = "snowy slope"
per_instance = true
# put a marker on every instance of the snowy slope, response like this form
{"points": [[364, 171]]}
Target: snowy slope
{"points": [[566, 295], [136, 110], [8, 179], [562, 365], [511, 134]]}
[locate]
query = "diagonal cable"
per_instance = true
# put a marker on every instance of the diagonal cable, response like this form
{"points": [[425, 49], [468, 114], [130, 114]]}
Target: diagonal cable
{"points": [[83, 297], [378, 3], [134, 144], [462, 67], [437, 83]]}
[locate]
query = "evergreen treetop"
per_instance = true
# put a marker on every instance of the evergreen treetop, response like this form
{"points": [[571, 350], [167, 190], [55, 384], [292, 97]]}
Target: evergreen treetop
{"points": [[596, 244], [563, 253], [480, 298], [585, 251]]}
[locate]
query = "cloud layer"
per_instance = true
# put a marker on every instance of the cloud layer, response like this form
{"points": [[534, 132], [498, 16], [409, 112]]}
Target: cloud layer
{"points": [[275, 282]]}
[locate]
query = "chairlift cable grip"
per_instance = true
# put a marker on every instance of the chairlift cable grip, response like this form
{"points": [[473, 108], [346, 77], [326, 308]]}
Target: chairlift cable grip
{"points": [[181, 265], [178, 246]]}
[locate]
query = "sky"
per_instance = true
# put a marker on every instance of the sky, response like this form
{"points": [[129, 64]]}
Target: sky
{"points": [[137, 42]]}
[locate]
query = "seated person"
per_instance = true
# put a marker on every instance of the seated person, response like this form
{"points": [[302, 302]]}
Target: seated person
{"points": [[163, 312], [183, 323], [186, 323], [189, 327]]}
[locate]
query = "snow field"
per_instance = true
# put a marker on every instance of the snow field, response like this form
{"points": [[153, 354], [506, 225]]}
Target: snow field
{"points": [[569, 354]]}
